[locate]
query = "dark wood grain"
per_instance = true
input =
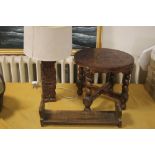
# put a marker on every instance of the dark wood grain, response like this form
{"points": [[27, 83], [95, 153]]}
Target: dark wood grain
{"points": [[48, 76], [89, 79], [104, 60], [80, 81], [81, 117]]}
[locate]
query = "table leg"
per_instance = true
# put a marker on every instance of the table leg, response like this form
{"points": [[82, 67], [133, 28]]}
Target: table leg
{"points": [[111, 80], [118, 110], [88, 96], [124, 94], [80, 81]]}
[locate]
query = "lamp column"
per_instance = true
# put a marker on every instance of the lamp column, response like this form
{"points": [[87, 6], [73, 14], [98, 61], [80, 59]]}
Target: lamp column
{"points": [[48, 76]]}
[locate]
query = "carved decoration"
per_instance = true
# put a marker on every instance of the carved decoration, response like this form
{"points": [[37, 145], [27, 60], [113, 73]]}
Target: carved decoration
{"points": [[124, 94], [89, 79], [48, 81], [80, 81]]}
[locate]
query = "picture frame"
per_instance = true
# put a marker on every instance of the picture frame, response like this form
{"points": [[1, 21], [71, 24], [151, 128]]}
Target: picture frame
{"points": [[11, 40], [19, 51]]}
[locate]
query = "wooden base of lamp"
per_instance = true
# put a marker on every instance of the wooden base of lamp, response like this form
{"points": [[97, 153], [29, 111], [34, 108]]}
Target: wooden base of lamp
{"points": [[48, 75]]}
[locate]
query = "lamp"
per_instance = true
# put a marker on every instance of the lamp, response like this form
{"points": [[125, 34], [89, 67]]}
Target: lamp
{"points": [[47, 44]]}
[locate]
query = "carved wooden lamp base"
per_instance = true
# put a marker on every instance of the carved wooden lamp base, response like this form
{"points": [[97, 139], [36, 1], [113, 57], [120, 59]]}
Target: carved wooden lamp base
{"points": [[48, 75]]}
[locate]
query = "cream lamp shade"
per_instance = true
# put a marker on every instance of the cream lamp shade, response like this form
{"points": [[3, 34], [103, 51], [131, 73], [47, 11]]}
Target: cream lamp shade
{"points": [[48, 43]]}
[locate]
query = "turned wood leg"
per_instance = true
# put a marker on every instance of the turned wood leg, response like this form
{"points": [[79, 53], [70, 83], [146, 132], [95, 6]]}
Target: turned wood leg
{"points": [[80, 81], [48, 76], [88, 83], [124, 94], [111, 80], [118, 110]]}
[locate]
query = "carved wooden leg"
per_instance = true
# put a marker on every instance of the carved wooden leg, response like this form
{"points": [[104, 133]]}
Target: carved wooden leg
{"points": [[111, 80], [118, 110], [80, 81], [124, 94], [89, 80]]}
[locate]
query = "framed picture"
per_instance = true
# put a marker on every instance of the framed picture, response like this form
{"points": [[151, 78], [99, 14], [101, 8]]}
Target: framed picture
{"points": [[11, 38], [85, 36]]}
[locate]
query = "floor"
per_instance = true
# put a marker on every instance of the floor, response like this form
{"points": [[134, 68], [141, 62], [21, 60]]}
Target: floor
{"points": [[21, 102]]}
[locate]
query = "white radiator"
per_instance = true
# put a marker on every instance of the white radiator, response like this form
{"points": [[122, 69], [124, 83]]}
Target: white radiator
{"points": [[24, 69]]}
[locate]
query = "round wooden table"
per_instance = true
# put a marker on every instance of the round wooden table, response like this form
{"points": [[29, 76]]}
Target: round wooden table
{"points": [[108, 61]]}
